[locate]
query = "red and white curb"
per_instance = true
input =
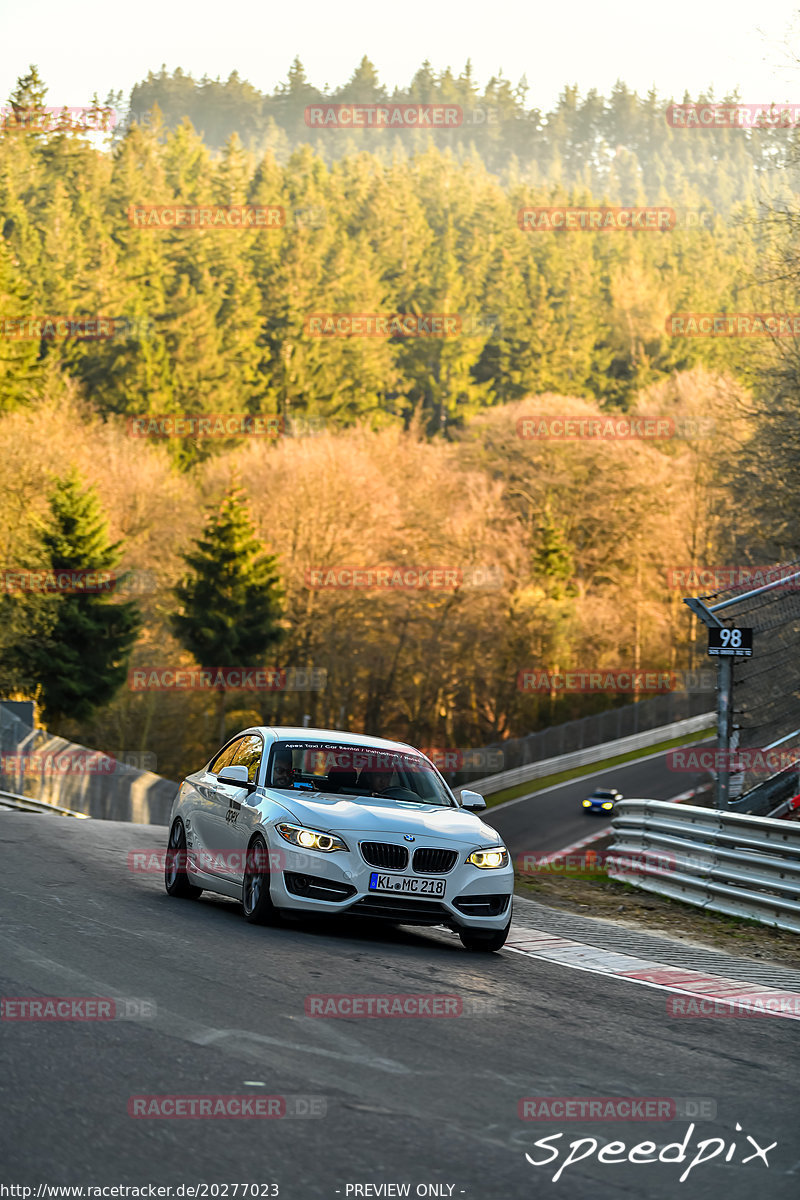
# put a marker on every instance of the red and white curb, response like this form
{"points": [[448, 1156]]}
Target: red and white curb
{"points": [[741, 999], [684, 796]]}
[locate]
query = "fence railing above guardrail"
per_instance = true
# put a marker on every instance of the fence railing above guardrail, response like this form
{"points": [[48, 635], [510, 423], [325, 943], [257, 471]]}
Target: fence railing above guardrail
{"points": [[592, 754], [567, 737]]}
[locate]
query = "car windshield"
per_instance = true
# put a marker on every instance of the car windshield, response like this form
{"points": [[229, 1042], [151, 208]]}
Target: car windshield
{"points": [[344, 769], [603, 795]]}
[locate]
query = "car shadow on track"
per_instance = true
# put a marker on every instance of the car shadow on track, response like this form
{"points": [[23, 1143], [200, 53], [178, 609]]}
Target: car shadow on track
{"points": [[334, 928]]}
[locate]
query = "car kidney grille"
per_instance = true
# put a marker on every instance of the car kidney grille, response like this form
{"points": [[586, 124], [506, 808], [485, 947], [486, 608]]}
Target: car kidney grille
{"points": [[428, 861], [383, 854]]}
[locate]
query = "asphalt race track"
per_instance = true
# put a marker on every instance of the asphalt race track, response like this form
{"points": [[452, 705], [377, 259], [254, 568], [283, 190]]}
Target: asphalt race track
{"points": [[553, 818], [407, 1101]]}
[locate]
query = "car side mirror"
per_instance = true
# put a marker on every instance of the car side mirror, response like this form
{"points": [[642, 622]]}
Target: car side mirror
{"points": [[473, 801], [236, 774]]}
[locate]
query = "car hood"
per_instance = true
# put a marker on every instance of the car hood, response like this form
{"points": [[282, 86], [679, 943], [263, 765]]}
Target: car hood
{"points": [[338, 814]]}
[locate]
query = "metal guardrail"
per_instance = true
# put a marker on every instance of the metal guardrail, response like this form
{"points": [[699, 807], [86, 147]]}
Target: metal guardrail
{"points": [[591, 754], [786, 809], [26, 804], [732, 863]]}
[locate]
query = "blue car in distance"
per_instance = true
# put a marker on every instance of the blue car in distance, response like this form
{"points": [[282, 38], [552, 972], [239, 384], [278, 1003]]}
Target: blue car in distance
{"points": [[602, 801]]}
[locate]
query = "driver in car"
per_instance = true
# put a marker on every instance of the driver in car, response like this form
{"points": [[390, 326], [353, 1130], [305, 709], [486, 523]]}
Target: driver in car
{"points": [[377, 781], [282, 770]]}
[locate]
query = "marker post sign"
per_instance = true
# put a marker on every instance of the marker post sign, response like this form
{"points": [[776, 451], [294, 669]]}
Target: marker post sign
{"points": [[730, 642], [726, 643]]}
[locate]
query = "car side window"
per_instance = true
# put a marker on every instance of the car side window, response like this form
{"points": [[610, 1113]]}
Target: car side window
{"points": [[248, 753], [226, 757]]}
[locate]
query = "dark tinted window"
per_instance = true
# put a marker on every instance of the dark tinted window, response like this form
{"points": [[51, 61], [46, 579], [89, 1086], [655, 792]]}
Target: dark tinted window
{"points": [[356, 771]]}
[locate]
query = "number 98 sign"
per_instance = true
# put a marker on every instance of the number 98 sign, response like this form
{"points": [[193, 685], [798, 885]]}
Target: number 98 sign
{"points": [[731, 642]]}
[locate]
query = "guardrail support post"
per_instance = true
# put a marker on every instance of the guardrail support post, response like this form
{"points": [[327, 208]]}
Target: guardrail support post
{"points": [[724, 704], [724, 721]]}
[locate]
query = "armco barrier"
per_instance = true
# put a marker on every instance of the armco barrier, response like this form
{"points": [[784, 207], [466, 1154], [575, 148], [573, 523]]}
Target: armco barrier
{"points": [[733, 863], [591, 754]]}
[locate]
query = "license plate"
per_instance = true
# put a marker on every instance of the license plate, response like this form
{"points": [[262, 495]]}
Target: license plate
{"points": [[406, 884]]}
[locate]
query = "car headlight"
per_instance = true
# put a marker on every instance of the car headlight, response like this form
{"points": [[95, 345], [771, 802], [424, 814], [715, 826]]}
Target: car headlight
{"points": [[587, 804], [608, 804], [490, 859], [310, 839]]}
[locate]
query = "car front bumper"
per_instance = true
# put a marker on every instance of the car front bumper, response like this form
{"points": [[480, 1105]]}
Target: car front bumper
{"points": [[315, 882]]}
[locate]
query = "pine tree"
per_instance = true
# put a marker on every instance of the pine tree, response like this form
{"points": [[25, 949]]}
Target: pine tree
{"points": [[81, 662], [363, 86], [553, 560], [231, 604], [17, 358], [291, 100], [27, 101]]}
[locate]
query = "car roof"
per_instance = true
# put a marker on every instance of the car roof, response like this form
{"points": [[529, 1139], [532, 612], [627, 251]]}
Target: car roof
{"points": [[335, 736]]}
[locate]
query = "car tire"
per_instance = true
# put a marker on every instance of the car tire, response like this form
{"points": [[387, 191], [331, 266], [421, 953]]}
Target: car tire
{"points": [[176, 881], [484, 940], [256, 900]]}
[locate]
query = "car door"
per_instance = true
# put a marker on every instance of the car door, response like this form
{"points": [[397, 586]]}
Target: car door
{"points": [[209, 811], [234, 814]]}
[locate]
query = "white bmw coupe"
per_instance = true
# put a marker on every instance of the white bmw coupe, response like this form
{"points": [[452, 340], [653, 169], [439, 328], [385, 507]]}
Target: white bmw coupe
{"points": [[316, 821]]}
